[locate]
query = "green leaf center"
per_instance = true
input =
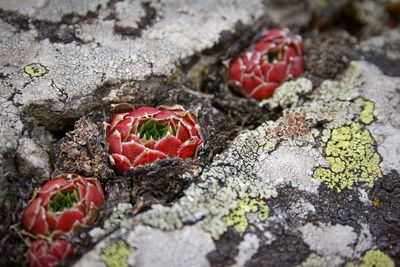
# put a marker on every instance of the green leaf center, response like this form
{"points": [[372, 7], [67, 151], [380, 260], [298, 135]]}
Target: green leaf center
{"points": [[63, 200], [154, 129], [272, 56]]}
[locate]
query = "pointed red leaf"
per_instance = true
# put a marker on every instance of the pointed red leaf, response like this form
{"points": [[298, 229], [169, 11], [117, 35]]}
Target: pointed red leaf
{"points": [[49, 189], [235, 71], [68, 218], [143, 112], [31, 213], [264, 47], [250, 82], [150, 143], [40, 226], [114, 142], [121, 162], [131, 150], [182, 134], [164, 115], [272, 34], [290, 54], [62, 249], [296, 67], [149, 156], [124, 128], [264, 90], [189, 147], [265, 68], [82, 188], [250, 60], [169, 145], [94, 197], [278, 72], [51, 220], [52, 185]]}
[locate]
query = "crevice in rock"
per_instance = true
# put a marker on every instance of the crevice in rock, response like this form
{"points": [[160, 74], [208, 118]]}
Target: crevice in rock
{"points": [[145, 21], [226, 249], [19, 21]]}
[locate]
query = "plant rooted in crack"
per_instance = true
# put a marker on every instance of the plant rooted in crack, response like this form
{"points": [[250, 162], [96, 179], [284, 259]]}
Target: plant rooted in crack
{"points": [[62, 203], [277, 57], [147, 134], [41, 253]]}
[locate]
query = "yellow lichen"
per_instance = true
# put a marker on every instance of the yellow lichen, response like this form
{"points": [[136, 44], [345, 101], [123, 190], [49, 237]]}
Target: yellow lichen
{"points": [[35, 70], [117, 254], [352, 158], [367, 114], [376, 202], [374, 258], [237, 218]]}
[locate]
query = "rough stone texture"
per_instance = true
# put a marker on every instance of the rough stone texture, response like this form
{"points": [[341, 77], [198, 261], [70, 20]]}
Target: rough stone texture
{"points": [[305, 217], [384, 91], [333, 242], [282, 167], [191, 246], [77, 71], [33, 159], [251, 197], [247, 248], [152, 247]]}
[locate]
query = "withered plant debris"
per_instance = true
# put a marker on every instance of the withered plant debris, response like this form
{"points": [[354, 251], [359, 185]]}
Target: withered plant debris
{"points": [[327, 55], [84, 150]]}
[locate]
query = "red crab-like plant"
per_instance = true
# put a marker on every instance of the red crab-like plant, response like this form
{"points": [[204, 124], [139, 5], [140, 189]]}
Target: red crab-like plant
{"points": [[62, 203], [147, 134], [43, 254], [275, 58]]}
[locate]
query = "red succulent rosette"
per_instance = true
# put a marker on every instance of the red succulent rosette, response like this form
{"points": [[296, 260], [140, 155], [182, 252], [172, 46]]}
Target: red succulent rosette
{"points": [[276, 57], [62, 203], [147, 134], [43, 254]]}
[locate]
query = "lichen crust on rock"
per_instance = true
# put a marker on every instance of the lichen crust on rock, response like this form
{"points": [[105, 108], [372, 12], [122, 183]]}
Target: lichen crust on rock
{"points": [[237, 218], [117, 254]]}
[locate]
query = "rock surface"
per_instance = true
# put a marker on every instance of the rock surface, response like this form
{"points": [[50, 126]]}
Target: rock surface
{"points": [[261, 193]]}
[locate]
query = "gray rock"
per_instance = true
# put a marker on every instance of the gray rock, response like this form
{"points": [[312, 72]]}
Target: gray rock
{"points": [[32, 160]]}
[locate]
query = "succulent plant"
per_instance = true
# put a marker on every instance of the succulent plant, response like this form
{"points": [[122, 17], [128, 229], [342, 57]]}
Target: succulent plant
{"points": [[276, 57], [147, 134], [62, 203], [43, 254]]}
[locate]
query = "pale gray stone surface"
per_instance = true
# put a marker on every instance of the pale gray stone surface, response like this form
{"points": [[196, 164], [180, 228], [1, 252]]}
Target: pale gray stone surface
{"points": [[190, 247], [331, 241], [384, 91], [282, 167], [142, 43]]}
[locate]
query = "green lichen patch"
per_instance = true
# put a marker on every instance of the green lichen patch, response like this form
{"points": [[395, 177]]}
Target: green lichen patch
{"points": [[374, 258], [352, 158], [237, 218], [367, 114], [35, 70], [117, 254]]}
